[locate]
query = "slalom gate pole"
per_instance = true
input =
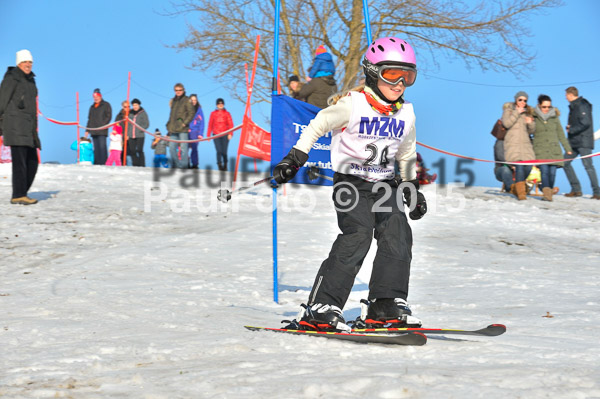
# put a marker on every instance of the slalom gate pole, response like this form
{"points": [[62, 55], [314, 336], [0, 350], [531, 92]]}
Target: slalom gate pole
{"points": [[274, 93], [367, 21], [77, 102], [126, 122]]}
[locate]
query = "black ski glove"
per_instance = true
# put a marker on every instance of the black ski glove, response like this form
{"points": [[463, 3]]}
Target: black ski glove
{"points": [[421, 206], [287, 168]]}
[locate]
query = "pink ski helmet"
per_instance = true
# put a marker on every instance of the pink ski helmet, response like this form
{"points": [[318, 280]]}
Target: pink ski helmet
{"points": [[390, 51]]}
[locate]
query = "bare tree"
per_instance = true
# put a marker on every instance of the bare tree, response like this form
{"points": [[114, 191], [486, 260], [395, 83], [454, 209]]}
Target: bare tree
{"points": [[487, 34]]}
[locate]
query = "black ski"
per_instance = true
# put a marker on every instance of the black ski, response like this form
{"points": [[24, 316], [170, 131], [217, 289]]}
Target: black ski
{"points": [[489, 331], [399, 338]]}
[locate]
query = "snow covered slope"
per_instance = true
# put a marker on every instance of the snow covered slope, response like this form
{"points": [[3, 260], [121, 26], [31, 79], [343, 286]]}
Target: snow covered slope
{"points": [[112, 289]]}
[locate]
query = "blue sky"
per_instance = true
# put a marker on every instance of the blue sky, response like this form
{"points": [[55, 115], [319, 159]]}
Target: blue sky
{"points": [[80, 45]]}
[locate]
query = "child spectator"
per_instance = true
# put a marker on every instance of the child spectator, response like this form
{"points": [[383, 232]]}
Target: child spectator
{"points": [[116, 146], [160, 151], [5, 156], [86, 150], [422, 175]]}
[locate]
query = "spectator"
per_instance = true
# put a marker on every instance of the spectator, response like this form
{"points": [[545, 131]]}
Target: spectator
{"points": [[160, 151], [4, 149], [136, 135], [18, 119], [220, 121], [321, 82], [123, 114], [86, 150], [502, 171], [422, 175], [517, 118], [581, 139], [99, 116], [196, 130], [116, 146], [294, 86], [548, 137], [178, 126]]}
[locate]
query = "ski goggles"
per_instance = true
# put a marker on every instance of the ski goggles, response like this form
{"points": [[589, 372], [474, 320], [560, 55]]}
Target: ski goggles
{"points": [[394, 74]]}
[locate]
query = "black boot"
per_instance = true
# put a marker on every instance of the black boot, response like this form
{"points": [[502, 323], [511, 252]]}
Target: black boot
{"points": [[220, 165], [383, 309]]}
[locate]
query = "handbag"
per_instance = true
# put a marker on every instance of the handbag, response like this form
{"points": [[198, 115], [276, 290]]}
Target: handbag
{"points": [[499, 131]]}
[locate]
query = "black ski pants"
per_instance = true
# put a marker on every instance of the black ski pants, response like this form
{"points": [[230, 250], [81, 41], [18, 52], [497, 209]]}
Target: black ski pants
{"points": [[376, 209], [135, 149], [24, 167]]}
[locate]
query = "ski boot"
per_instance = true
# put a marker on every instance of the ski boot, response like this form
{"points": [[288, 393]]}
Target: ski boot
{"points": [[318, 317], [386, 312]]}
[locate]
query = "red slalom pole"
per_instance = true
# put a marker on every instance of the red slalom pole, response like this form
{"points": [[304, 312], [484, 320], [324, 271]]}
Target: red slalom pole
{"points": [[126, 122], [77, 102]]}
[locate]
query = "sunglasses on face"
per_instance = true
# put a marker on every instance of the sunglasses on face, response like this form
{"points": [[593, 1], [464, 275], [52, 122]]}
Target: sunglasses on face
{"points": [[522, 99], [394, 74], [545, 106], [178, 89]]}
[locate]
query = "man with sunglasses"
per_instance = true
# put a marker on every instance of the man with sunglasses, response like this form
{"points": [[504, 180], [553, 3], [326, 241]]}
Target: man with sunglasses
{"points": [[581, 138], [178, 126]]}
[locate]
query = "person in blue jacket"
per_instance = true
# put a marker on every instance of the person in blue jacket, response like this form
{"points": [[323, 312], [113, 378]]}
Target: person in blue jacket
{"points": [[86, 151], [321, 82], [196, 130]]}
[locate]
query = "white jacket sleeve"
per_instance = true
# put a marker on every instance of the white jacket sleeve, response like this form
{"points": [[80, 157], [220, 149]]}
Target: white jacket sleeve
{"points": [[407, 156], [331, 118]]}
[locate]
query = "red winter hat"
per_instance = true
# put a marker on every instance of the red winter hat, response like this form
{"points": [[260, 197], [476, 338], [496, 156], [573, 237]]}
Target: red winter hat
{"points": [[118, 129], [320, 50]]}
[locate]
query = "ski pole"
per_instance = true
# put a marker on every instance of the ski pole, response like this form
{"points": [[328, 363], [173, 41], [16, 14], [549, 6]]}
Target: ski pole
{"points": [[224, 194], [313, 174]]}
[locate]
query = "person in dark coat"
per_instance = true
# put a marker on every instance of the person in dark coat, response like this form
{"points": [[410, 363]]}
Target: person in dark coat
{"points": [[99, 115], [136, 136], [321, 83], [178, 126], [18, 121], [581, 139]]}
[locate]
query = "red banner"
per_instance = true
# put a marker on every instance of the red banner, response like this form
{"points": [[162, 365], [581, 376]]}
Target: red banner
{"points": [[255, 142]]}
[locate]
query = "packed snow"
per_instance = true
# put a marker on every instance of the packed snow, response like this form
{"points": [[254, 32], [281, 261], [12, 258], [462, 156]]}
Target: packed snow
{"points": [[127, 283]]}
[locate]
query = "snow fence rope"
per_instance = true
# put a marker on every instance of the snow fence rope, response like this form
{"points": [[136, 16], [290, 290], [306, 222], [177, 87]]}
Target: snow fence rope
{"points": [[532, 162], [166, 138]]}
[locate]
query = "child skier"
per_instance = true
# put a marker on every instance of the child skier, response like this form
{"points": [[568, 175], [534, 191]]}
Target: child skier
{"points": [[371, 129]]}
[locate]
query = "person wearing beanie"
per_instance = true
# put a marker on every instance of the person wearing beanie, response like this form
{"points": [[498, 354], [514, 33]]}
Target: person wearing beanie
{"points": [[136, 133], [18, 124], [116, 146], [178, 126], [220, 121], [321, 82], [517, 118], [369, 133], [99, 116], [160, 150], [294, 85]]}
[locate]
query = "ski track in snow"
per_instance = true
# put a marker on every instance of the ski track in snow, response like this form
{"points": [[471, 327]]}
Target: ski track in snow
{"points": [[100, 298]]}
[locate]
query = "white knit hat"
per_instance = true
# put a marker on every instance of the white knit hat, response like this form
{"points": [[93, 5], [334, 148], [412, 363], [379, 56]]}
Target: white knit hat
{"points": [[24, 55]]}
